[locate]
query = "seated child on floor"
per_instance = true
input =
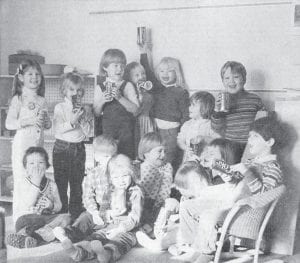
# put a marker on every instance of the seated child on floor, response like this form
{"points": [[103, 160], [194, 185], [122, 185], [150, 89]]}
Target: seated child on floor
{"points": [[190, 179], [156, 176], [116, 236], [37, 213]]}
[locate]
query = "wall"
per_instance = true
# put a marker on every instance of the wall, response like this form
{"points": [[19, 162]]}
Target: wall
{"points": [[202, 34]]}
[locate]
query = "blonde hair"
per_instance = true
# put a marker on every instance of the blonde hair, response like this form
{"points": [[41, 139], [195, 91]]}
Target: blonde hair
{"points": [[148, 142], [105, 141], [111, 56], [72, 77], [175, 65]]}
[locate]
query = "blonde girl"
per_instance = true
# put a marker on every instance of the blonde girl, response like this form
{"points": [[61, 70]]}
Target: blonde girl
{"points": [[117, 101], [28, 115], [171, 101]]}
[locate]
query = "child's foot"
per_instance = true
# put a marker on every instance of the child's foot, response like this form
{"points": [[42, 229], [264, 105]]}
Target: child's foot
{"points": [[103, 255], [60, 233], [177, 249], [145, 241], [20, 241]]}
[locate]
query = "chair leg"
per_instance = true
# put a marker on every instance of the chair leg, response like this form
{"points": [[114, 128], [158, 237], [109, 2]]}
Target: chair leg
{"points": [[232, 243]]}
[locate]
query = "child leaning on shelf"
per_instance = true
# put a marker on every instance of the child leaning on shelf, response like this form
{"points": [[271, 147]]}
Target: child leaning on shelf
{"points": [[156, 176], [171, 101], [120, 218], [135, 73], [116, 99], [197, 131], [262, 173], [72, 125], [36, 212], [189, 180], [28, 115]]}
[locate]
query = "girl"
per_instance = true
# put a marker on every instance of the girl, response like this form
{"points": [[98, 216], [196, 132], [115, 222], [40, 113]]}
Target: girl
{"points": [[28, 115], [71, 127], [190, 178], [40, 205], [135, 73], [116, 238], [197, 131], [117, 100], [171, 101], [156, 176]]}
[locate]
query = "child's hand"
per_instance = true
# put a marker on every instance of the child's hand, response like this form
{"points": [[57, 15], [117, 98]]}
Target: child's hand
{"points": [[227, 178], [145, 47], [36, 175], [114, 232], [45, 203], [116, 94], [76, 115], [97, 219], [218, 102], [172, 205], [240, 167]]}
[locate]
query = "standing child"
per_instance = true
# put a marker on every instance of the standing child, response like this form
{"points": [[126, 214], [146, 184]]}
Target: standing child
{"points": [[122, 217], [28, 115], [116, 99], [135, 73], [71, 127], [197, 131], [171, 101], [190, 179], [156, 176]]}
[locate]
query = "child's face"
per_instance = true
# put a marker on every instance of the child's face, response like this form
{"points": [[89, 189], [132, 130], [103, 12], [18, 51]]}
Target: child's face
{"points": [[31, 78], [137, 75], [103, 154], [258, 145], [156, 156], [120, 177], [167, 76], [233, 81], [209, 155], [71, 89], [194, 110], [115, 71], [35, 161]]}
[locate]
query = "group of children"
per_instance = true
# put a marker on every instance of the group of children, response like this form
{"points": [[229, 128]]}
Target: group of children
{"points": [[119, 203]]}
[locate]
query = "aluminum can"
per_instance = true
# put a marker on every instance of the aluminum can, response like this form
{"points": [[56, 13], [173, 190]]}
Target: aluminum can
{"points": [[141, 35], [225, 103]]}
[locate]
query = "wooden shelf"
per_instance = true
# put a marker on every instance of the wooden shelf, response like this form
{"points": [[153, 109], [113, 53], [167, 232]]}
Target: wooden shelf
{"points": [[7, 199]]}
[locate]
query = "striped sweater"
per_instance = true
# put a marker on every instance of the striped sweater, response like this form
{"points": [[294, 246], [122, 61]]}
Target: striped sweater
{"points": [[235, 125]]}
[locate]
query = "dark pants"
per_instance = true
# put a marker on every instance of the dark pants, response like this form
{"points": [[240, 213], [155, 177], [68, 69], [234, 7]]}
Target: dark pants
{"points": [[69, 167]]}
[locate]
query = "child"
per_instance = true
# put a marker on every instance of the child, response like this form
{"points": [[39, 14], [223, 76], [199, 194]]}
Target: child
{"points": [[116, 237], [197, 130], [235, 124], [135, 73], [28, 115], [39, 206], [171, 102], [156, 176], [262, 173], [117, 100], [190, 178], [71, 127]]}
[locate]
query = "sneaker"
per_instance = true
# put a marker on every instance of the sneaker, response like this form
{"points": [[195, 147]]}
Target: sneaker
{"points": [[20, 241]]}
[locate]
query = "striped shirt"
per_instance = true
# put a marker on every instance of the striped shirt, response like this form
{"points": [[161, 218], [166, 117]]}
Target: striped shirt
{"points": [[236, 124], [263, 174]]}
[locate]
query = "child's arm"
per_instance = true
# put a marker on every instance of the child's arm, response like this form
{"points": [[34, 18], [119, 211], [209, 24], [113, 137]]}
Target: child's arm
{"points": [[86, 122], [166, 184], [181, 140], [99, 100], [183, 105], [57, 205]]}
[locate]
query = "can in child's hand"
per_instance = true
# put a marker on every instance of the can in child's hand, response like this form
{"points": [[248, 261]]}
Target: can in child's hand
{"points": [[109, 90], [141, 35], [224, 103], [146, 85]]}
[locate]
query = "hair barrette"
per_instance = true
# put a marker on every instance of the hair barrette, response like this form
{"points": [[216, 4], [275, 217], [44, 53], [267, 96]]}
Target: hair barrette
{"points": [[20, 69]]}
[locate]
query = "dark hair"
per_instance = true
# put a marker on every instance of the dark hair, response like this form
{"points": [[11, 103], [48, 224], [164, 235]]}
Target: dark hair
{"points": [[235, 67], [39, 150], [181, 178], [111, 56], [270, 127], [129, 67], [230, 152], [21, 70], [207, 103], [73, 77]]}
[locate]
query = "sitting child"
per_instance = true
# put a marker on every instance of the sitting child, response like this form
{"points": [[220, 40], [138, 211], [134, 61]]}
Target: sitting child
{"points": [[198, 217], [197, 131], [37, 212], [156, 176], [116, 236], [190, 179]]}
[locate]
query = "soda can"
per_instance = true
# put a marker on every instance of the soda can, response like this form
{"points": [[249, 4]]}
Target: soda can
{"points": [[146, 85], [109, 89], [223, 167], [141, 35], [224, 103]]}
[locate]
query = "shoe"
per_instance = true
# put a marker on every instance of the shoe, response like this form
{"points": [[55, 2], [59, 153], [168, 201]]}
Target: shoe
{"points": [[46, 233], [21, 241]]}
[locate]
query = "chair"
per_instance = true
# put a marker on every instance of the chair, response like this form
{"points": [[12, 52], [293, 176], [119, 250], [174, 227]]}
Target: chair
{"points": [[248, 219]]}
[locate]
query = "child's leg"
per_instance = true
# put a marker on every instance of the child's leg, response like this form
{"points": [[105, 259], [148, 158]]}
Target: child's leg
{"points": [[77, 151], [126, 139]]}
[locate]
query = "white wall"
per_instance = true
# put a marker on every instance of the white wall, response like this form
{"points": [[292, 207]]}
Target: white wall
{"points": [[203, 38]]}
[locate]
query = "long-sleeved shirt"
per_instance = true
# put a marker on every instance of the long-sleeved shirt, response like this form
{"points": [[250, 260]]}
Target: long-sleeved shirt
{"points": [[62, 125], [235, 125], [263, 174], [170, 103]]}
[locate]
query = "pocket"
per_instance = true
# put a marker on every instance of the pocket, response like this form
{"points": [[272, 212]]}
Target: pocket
{"points": [[60, 146]]}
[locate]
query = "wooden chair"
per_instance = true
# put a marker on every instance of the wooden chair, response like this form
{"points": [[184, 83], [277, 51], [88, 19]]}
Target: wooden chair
{"points": [[248, 219]]}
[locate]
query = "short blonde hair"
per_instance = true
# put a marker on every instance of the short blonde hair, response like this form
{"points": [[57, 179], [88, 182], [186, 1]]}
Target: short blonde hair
{"points": [[105, 141], [148, 142], [72, 77], [111, 56], [174, 64], [121, 161]]}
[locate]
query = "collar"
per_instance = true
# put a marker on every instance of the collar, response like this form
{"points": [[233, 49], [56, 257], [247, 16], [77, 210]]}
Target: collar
{"points": [[28, 92], [169, 86], [264, 159]]}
